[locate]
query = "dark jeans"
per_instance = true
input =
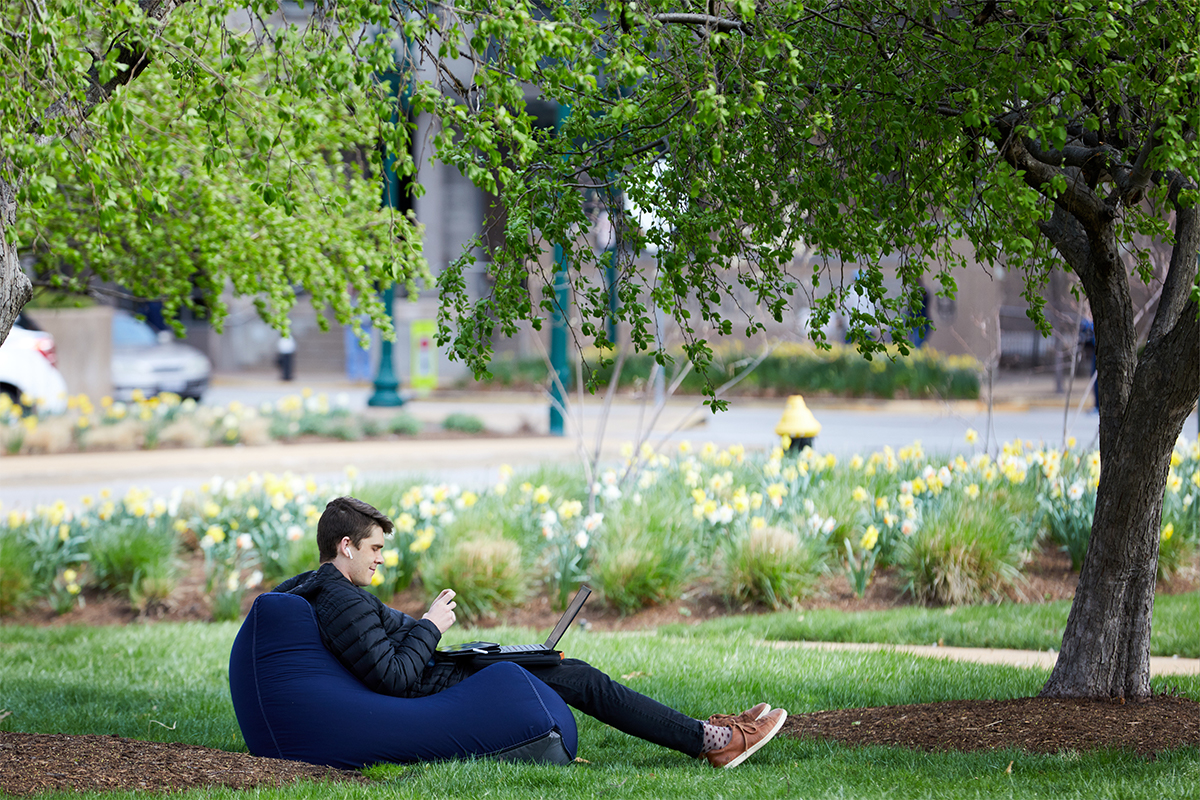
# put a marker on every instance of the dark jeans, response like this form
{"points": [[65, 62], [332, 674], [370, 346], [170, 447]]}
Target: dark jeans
{"points": [[588, 689]]}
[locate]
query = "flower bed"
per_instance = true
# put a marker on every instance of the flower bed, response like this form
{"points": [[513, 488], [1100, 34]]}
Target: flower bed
{"points": [[167, 420], [755, 527]]}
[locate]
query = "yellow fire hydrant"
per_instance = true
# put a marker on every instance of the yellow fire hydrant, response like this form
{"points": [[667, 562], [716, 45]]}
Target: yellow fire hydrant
{"points": [[798, 424]]}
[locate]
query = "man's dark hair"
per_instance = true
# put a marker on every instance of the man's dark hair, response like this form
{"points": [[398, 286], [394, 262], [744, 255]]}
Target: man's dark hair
{"points": [[347, 516]]}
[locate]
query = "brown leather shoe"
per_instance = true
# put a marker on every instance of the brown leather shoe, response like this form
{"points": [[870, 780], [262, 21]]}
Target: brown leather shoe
{"points": [[747, 738], [749, 715]]}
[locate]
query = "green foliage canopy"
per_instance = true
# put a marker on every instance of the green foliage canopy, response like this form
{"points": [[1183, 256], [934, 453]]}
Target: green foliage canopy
{"points": [[858, 130], [171, 151]]}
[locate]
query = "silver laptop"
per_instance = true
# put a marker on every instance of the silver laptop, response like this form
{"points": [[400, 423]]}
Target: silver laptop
{"points": [[492, 648]]}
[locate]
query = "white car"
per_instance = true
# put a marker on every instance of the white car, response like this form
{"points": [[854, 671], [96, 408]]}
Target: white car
{"points": [[154, 362], [29, 369]]}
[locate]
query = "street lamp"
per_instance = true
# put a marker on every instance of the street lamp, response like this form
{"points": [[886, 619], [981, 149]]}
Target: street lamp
{"points": [[401, 199]]}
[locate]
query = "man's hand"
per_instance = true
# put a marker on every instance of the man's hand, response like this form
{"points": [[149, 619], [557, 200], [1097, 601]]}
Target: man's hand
{"points": [[441, 613]]}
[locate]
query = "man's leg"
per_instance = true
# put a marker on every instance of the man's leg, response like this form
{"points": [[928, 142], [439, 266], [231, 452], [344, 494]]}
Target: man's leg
{"points": [[591, 691]]}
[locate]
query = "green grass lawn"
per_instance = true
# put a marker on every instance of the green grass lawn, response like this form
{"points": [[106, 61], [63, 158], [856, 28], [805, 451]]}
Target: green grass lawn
{"points": [[168, 682], [1018, 626]]}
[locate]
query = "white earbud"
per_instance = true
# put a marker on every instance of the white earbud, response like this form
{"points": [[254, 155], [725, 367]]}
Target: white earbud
{"points": [[349, 555]]}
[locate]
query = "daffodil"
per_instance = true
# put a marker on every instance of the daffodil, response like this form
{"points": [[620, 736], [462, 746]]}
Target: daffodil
{"points": [[870, 538], [423, 541]]}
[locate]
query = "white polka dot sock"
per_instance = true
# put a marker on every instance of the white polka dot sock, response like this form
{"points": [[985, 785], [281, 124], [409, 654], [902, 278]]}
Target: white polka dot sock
{"points": [[715, 737]]}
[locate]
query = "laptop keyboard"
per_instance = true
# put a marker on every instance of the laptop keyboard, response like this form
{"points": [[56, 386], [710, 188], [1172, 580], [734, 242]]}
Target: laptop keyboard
{"points": [[522, 648]]}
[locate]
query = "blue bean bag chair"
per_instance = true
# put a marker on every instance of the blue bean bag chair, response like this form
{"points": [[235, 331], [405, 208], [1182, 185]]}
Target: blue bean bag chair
{"points": [[295, 700]]}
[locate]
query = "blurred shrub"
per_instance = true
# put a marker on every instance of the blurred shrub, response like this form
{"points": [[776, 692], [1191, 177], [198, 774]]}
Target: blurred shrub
{"points": [[16, 569], [790, 369], [487, 575], [463, 423], [962, 555], [770, 565]]}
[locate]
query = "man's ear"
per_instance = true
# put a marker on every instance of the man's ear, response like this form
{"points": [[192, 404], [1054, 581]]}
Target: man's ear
{"points": [[344, 547]]}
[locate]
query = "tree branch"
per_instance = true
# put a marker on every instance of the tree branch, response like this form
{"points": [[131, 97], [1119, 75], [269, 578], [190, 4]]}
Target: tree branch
{"points": [[704, 20], [1078, 198], [1133, 184], [1069, 239], [1181, 273], [134, 58]]}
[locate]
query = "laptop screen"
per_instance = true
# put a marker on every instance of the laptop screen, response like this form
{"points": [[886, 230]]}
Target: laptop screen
{"points": [[568, 616]]}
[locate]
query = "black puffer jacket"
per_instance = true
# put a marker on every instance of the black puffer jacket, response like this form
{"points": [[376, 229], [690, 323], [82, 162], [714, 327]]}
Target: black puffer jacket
{"points": [[390, 652]]}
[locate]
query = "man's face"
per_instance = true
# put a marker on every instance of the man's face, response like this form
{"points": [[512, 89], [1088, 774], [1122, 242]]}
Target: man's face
{"points": [[367, 557]]}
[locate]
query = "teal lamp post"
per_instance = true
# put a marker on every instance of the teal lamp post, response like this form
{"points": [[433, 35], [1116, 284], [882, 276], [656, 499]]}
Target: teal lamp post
{"points": [[395, 196], [558, 322]]}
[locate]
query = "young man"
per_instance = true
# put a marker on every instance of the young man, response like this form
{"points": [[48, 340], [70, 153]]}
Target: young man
{"points": [[392, 653]]}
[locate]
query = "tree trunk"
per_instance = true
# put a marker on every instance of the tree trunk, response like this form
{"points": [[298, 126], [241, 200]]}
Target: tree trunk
{"points": [[15, 289], [1106, 645]]}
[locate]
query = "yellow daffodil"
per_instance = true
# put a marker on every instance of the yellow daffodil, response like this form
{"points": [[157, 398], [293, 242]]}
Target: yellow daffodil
{"points": [[870, 538]]}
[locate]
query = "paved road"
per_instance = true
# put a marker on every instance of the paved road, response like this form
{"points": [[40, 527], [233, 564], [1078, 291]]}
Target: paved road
{"points": [[847, 427]]}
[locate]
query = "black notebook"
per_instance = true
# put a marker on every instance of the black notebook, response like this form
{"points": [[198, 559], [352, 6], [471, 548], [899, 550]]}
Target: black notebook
{"points": [[492, 651]]}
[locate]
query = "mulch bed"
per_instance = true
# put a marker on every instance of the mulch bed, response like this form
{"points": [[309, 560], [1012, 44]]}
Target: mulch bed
{"points": [[1031, 724], [33, 762]]}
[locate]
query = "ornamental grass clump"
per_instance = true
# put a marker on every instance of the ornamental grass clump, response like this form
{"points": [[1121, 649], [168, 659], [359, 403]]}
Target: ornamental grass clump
{"points": [[645, 557], [963, 555], [16, 570], [770, 565], [487, 575]]}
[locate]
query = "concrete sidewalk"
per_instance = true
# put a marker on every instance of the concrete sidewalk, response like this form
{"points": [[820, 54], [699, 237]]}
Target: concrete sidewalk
{"points": [[1026, 659]]}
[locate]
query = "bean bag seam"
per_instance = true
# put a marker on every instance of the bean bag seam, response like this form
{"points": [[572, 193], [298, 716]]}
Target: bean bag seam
{"points": [[257, 688], [529, 681]]}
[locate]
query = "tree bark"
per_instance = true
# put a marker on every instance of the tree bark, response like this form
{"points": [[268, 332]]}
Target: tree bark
{"points": [[1143, 405], [15, 288]]}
